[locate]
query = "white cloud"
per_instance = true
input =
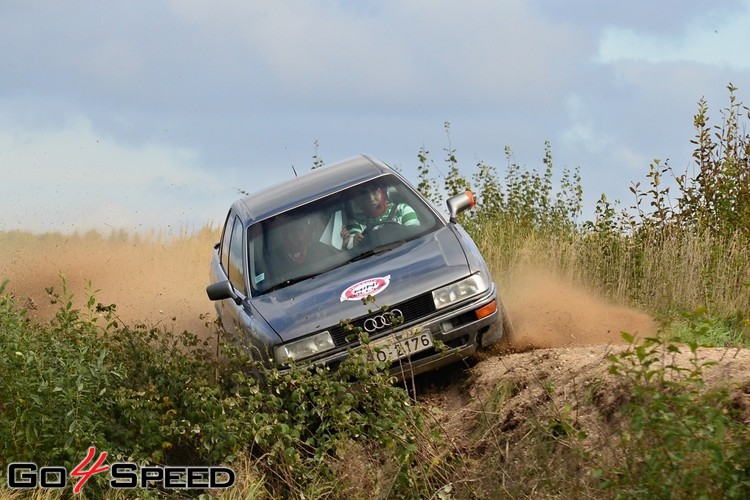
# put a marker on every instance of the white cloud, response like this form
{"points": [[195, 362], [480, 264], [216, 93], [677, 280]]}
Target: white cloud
{"points": [[402, 52], [71, 179], [306, 46], [713, 40]]}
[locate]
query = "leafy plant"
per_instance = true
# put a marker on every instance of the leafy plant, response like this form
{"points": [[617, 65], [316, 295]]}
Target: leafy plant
{"points": [[682, 442], [153, 396], [716, 198]]}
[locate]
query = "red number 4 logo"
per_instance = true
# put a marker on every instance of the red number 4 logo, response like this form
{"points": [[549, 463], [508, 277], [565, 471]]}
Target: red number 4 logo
{"points": [[84, 475]]}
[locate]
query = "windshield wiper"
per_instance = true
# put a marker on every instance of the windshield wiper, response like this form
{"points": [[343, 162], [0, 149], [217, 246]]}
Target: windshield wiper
{"points": [[377, 250], [303, 277], [291, 281]]}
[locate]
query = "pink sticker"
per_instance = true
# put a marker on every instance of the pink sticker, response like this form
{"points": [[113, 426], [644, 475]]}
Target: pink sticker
{"points": [[372, 286]]}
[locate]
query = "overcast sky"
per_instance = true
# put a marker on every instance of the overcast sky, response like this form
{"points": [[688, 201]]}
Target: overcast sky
{"points": [[153, 114]]}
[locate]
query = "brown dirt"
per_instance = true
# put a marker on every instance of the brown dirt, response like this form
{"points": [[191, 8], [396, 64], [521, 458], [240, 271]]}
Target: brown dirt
{"points": [[555, 370], [562, 333], [569, 332], [160, 279]]}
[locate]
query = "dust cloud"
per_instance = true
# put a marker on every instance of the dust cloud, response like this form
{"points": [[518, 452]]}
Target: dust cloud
{"points": [[157, 280], [547, 312], [160, 280]]}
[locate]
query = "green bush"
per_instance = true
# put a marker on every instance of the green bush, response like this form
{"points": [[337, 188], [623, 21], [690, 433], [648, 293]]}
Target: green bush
{"points": [[154, 396], [682, 441]]}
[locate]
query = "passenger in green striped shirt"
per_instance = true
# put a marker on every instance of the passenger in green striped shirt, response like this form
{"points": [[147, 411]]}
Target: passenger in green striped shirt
{"points": [[377, 209]]}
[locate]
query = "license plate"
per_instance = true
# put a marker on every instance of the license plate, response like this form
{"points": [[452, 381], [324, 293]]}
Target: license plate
{"points": [[401, 345]]}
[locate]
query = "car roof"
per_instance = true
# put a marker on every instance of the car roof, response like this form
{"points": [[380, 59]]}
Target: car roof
{"points": [[308, 187]]}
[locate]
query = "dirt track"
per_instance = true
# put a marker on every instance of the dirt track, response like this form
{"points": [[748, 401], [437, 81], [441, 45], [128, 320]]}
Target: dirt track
{"points": [[161, 279], [547, 312]]}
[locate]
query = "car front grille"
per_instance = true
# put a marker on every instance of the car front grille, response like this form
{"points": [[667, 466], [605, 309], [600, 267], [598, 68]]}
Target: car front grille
{"points": [[412, 309]]}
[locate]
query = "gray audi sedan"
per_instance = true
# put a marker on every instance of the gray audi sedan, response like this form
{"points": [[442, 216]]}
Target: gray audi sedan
{"points": [[352, 254]]}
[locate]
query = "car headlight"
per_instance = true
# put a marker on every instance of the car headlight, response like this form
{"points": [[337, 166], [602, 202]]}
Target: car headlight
{"points": [[456, 292], [304, 348]]}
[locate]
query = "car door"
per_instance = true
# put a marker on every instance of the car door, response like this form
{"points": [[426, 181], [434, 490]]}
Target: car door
{"points": [[233, 262]]}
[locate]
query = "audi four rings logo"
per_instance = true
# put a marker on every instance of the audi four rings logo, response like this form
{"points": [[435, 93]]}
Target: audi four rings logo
{"points": [[380, 321]]}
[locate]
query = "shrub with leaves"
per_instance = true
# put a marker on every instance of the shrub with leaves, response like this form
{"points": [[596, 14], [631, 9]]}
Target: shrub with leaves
{"points": [[153, 396], [716, 197], [683, 441]]}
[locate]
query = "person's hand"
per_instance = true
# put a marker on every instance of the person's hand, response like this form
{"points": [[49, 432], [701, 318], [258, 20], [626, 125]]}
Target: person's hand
{"points": [[357, 237]]}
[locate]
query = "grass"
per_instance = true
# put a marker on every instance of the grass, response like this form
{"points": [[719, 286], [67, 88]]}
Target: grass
{"points": [[663, 274], [150, 395]]}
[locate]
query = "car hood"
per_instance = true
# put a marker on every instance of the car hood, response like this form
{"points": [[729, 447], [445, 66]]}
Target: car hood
{"points": [[416, 267]]}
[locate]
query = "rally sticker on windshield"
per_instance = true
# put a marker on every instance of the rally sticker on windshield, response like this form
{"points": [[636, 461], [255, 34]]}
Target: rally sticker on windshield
{"points": [[372, 286]]}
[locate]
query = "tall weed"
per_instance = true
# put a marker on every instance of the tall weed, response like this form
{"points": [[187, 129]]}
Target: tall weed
{"points": [[670, 252]]}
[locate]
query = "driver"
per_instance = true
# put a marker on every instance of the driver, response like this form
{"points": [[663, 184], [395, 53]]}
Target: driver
{"points": [[377, 209], [298, 244]]}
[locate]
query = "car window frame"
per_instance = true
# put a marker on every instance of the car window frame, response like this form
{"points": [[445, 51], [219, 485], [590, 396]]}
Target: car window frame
{"points": [[239, 286], [224, 243]]}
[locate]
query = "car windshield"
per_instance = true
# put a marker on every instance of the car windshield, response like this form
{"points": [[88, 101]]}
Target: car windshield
{"points": [[369, 218]]}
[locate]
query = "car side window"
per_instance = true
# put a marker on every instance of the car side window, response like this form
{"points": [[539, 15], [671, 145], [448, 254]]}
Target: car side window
{"points": [[235, 269], [225, 238]]}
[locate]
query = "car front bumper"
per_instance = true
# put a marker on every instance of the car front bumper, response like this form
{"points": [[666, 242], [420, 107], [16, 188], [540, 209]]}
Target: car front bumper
{"points": [[457, 334]]}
